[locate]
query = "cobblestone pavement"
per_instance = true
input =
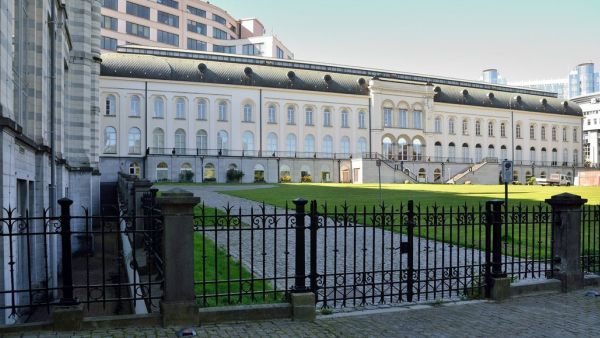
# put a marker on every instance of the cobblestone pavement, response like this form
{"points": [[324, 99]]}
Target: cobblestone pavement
{"points": [[343, 254], [548, 315]]}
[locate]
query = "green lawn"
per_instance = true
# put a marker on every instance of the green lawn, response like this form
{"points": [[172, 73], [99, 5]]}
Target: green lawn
{"points": [[426, 194], [526, 238]]}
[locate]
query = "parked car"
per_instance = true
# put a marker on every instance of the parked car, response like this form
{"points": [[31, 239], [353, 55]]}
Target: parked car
{"points": [[555, 179]]}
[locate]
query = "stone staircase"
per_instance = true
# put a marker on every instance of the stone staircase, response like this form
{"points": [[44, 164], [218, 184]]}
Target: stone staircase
{"points": [[460, 177]]}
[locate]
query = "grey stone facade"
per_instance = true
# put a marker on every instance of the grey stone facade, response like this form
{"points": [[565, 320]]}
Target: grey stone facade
{"points": [[25, 119]]}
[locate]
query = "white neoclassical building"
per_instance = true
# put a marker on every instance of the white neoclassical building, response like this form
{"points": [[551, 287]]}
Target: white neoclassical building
{"points": [[169, 112]]}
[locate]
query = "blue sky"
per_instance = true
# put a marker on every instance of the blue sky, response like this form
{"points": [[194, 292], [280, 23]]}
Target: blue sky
{"points": [[525, 40]]}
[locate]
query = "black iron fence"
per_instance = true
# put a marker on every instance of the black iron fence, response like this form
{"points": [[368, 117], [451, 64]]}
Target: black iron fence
{"points": [[590, 238], [106, 262]]}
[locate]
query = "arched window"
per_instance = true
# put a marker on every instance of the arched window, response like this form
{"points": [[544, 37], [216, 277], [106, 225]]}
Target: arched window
{"points": [[272, 146], [327, 145], [201, 110], [417, 150], [186, 174], [554, 157], [437, 175], [518, 131], [223, 142], [532, 154], [291, 115], [180, 141], [247, 113], [222, 111], [290, 144], [503, 153], [422, 175], [465, 153], [543, 157], [201, 141], [386, 147], [518, 154], [134, 105], [248, 143], [361, 146], [158, 140], [309, 144], [162, 172], [451, 152], [180, 108], [159, 107], [438, 125], [110, 105], [209, 173], [259, 173], [502, 129], [345, 119], [326, 118], [575, 157], [478, 153], [531, 132], [451, 126], [134, 169], [478, 128], [402, 149], [110, 140], [272, 114], [438, 152], [345, 146], [491, 129], [284, 170], [543, 133], [491, 151], [543, 174], [361, 120], [134, 141], [308, 117]]}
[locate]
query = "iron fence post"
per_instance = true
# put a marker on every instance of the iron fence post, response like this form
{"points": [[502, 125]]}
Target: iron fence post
{"points": [[488, 249], [67, 269], [300, 273], [314, 220], [496, 223], [410, 254]]}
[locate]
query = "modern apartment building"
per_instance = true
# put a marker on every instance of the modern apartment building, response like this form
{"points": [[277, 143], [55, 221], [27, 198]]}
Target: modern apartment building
{"points": [[582, 80], [167, 112], [185, 24], [590, 104]]}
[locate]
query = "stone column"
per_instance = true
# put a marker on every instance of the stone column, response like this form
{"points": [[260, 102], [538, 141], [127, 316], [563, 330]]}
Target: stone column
{"points": [[140, 187], [566, 244], [178, 305]]}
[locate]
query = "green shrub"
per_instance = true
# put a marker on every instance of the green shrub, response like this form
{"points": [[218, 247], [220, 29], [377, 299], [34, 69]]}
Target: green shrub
{"points": [[210, 179], [531, 181], [306, 179], [186, 176], [286, 179], [234, 175], [259, 176]]}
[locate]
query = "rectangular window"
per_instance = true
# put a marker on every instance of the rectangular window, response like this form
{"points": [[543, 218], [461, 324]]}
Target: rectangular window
{"points": [[138, 10], [168, 38], [280, 53], [109, 23], [111, 4], [219, 19], [138, 30], [197, 11], [108, 43], [196, 27], [168, 19], [361, 120], [417, 119], [194, 44], [169, 3], [387, 117], [290, 116], [224, 49], [219, 34], [327, 118], [253, 49], [402, 120], [309, 117]]}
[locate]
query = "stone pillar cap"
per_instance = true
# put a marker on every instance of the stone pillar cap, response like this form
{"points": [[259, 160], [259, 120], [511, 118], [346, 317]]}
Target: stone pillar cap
{"points": [[566, 199], [177, 192]]}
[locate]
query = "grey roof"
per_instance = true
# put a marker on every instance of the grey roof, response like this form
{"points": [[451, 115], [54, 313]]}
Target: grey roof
{"points": [[145, 66]]}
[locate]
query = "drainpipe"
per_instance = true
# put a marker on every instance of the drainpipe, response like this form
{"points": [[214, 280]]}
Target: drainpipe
{"points": [[146, 125], [370, 131], [260, 123], [52, 188]]}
